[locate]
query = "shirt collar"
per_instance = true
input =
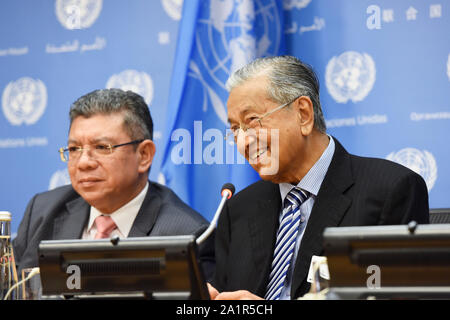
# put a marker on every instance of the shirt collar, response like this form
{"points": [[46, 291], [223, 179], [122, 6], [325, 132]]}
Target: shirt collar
{"points": [[124, 216], [312, 181]]}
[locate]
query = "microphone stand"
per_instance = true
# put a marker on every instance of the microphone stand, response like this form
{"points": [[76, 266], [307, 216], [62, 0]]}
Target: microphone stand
{"points": [[226, 195]]}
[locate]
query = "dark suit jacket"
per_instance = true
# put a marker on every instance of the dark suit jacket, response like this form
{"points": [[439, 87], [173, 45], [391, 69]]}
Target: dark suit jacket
{"points": [[62, 214], [356, 191]]}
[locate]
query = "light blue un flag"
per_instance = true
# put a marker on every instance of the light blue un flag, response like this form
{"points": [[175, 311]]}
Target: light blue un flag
{"points": [[216, 37]]}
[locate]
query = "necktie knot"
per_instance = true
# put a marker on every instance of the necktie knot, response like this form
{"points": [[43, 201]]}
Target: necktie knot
{"points": [[105, 225], [295, 197]]}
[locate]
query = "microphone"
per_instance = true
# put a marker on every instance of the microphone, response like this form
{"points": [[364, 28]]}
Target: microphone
{"points": [[227, 191]]}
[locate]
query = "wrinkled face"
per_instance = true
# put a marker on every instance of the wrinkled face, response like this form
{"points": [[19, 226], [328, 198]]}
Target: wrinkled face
{"points": [[109, 181], [272, 146]]}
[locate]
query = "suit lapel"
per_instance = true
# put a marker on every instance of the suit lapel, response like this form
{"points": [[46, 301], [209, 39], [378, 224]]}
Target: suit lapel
{"points": [[329, 208], [147, 214], [263, 224], [70, 224]]}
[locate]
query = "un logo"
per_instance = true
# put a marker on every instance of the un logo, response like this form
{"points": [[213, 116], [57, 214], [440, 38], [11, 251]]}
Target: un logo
{"points": [[230, 34], [77, 14], [24, 101], [350, 76], [138, 82], [59, 178], [173, 8], [421, 162]]}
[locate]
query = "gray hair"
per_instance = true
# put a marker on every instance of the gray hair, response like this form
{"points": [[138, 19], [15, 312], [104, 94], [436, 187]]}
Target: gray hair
{"points": [[288, 78], [137, 119]]}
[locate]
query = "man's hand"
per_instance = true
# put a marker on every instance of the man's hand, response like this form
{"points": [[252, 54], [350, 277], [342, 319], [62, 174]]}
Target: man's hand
{"points": [[233, 295], [213, 293]]}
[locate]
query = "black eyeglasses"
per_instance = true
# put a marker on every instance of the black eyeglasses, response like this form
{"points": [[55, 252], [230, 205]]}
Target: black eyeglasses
{"points": [[97, 151]]}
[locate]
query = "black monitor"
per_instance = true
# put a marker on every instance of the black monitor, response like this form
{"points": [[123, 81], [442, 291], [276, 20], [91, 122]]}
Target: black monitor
{"points": [[412, 261], [149, 267]]}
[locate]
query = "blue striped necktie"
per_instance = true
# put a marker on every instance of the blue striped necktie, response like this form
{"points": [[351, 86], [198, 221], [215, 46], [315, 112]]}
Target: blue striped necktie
{"points": [[285, 244]]}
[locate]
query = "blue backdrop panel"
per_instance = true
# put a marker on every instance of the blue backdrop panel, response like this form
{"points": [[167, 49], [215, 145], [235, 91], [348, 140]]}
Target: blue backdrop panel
{"points": [[384, 68], [51, 53]]}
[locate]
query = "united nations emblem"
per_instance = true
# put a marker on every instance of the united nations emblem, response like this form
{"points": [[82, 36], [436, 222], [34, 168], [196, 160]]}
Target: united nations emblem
{"points": [[238, 32], [77, 14], [59, 178], [173, 8], [421, 162], [350, 76], [24, 100], [138, 82]]}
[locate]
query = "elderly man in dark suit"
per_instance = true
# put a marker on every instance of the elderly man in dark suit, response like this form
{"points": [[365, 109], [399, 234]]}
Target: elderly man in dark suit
{"points": [[268, 233], [109, 154]]}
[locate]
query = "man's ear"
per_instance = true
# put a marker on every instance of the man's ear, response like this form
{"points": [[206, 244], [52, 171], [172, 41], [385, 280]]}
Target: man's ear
{"points": [[305, 114], [146, 151]]}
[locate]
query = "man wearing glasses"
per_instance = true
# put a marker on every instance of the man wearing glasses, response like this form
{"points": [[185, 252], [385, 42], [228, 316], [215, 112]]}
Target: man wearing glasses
{"points": [[268, 232], [109, 154]]}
